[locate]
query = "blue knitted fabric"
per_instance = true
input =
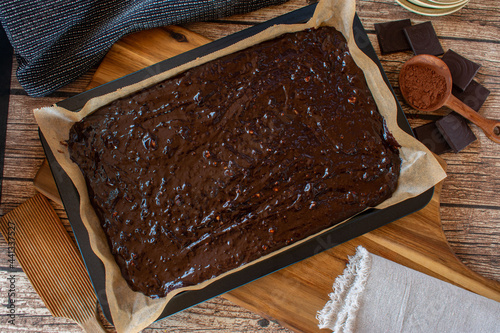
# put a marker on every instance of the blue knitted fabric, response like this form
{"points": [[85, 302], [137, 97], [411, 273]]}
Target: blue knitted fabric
{"points": [[56, 41]]}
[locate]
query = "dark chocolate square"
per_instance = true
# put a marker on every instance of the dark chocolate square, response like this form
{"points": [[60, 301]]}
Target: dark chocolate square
{"points": [[423, 39], [474, 95], [391, 37], [432, 138], [462, 69], [456, 132]]}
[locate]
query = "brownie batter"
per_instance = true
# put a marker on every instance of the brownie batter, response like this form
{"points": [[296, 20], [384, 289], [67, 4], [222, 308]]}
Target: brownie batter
{"points": [[235, 159]]}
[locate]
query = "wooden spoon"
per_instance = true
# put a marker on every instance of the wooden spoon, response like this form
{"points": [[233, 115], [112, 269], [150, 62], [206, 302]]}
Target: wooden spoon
{"points": [[490, 127]]}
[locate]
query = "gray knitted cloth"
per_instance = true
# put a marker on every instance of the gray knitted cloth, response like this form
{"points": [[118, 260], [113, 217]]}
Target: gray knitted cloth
{"points": [[56, 41]]}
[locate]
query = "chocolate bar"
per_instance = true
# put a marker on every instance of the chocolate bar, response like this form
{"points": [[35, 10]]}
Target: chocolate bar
{"points": [[456, 132], [423, 39], [474, 95], [432, 138], [391, 37], [462, 69]]}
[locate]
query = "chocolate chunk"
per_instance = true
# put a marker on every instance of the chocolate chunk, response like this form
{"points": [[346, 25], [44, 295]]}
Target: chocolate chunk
{"points": [[456, 132], [432, 138], [474, 95], [423, 39], [391, 37], [462, 69]]}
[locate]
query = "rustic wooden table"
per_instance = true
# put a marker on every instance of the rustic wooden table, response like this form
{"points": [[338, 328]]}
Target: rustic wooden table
{"points": [[470, 208]]}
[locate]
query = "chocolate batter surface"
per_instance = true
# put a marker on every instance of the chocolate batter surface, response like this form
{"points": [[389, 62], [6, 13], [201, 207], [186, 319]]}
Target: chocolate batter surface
{"points": [[235, 159]]}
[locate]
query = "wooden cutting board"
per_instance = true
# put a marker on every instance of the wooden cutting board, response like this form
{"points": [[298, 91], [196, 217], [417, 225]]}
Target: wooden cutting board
{"points": [[142, 49], [52, 262], [294, 294]]}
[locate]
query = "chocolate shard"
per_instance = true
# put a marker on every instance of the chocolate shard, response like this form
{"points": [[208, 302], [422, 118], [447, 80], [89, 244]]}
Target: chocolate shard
{"points": [[462, 69], [432, 138], [391, 37], [474, 95], [456, 132], [423, 39]]}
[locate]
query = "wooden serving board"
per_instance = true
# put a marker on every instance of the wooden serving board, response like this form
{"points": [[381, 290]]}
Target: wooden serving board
{"points": [[294, 294]]}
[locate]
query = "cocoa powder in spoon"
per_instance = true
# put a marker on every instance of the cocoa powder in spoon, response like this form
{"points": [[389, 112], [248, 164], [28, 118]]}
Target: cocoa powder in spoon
{"points": [[422, 86]]}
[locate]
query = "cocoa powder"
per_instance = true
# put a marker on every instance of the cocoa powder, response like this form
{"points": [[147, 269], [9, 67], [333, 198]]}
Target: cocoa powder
{"points": [[422, 87]]}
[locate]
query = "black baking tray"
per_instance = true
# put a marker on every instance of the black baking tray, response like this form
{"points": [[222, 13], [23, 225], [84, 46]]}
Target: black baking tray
{"points": [[362, 223]]}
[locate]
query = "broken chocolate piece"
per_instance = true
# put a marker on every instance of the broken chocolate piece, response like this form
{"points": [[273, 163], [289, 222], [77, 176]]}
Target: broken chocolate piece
{"points": [[432, 138], [456, 132], [423, 39], [462, 69], [474, 95], [391, 37]]}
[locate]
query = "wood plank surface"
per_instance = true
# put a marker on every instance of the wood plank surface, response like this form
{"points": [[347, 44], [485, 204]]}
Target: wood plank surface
{"points": [[470, 210]]}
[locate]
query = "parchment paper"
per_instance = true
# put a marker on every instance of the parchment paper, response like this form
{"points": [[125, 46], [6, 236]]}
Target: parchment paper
{"points": [[132, 311]]}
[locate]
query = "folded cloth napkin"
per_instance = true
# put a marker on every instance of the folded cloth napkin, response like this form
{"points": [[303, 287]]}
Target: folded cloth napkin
{"points": [[377, 295], [58, 40]]}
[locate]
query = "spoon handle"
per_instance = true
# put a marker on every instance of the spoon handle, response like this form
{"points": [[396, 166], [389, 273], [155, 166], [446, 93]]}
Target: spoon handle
{"points": [[490, 127]]}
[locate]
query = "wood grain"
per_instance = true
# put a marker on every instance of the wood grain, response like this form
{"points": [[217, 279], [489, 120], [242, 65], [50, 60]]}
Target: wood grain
{"points": [[470, 210]]}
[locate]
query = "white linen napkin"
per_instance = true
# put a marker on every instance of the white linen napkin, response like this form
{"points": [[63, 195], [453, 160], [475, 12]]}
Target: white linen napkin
{"points": [[377, 295]]}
